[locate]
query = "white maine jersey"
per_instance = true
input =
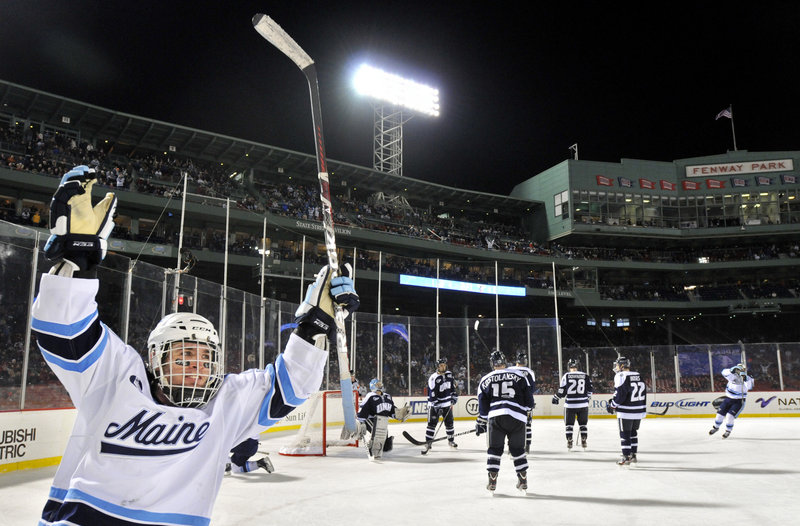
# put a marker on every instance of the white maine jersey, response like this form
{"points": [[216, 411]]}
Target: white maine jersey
{"points": [[736, 388], [130, 460]]}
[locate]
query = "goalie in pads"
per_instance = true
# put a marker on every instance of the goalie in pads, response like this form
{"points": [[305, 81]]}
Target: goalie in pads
{"points": [[373, 416]]}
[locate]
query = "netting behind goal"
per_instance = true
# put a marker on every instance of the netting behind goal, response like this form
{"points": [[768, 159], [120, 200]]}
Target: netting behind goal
{"points": [[322, 426]]}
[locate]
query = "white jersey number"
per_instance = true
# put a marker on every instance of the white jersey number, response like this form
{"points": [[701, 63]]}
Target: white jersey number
{"points": [[503, 390], [576, 386], [638, 391]]}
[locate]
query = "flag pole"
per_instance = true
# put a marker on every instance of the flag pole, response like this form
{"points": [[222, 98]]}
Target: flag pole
{"points": [[733, 131]]}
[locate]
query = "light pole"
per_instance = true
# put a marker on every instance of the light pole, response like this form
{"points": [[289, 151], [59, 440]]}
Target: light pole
{"points": [[393, 96]]}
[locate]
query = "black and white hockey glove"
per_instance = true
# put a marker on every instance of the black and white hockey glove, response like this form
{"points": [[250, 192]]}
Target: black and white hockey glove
{"points": [[402, 413], [78, 231], [555, 400], [480, 426], [611, 407], [315, 316]]}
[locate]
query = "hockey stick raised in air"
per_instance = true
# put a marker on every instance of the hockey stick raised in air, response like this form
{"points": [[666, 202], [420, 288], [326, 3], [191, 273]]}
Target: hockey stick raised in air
{"points": [[276, 36], [422, 443], [477, 322]]}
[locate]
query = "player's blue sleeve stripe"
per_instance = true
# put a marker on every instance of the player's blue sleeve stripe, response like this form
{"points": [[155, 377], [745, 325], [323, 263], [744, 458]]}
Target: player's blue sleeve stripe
{"points": [[286, 383], [273, 408], [137, 515], [67, 330], [84, 363]]}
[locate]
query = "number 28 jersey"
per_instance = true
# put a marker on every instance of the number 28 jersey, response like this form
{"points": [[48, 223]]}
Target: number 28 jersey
{"points": [[630, 395], [575, 388]]}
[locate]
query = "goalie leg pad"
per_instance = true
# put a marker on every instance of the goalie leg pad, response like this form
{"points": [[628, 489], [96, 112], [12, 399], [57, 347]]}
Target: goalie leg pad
{"points": [[379, 434]]}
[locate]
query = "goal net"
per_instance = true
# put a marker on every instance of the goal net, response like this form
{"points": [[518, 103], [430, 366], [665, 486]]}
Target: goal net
{"points": [[322, 426]]}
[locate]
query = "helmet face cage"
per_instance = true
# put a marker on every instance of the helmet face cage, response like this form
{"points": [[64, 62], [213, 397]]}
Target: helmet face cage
{"points": [[375, 385], [186, 359], [572, 364], [497, 358], [522, 358], [620, 363], [739, 368]]}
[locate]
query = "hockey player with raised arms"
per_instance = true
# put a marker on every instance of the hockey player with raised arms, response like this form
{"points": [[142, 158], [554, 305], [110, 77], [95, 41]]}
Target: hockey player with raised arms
{"points": [[576, 389], [739, 383], [442, 396], [373, 416], [150, 441]]}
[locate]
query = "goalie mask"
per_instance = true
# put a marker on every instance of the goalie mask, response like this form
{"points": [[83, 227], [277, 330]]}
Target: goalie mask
{"points": [[186, 359], [375, 385]]}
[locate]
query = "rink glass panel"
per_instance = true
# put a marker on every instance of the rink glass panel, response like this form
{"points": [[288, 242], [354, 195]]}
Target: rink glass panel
{"points": [[134, 295]]}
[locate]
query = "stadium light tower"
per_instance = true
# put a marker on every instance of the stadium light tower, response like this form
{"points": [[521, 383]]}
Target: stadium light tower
{"points": [[393, 95]]}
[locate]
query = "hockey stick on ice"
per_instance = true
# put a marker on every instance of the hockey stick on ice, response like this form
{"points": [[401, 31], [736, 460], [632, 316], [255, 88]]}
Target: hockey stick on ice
{"points": [[275, 35], [422, 443]]}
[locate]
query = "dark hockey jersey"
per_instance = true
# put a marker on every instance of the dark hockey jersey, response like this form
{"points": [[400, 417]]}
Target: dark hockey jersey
{"points": [[376, 405], [630, 395], [505, 392], [442, 391], [575, 388]]}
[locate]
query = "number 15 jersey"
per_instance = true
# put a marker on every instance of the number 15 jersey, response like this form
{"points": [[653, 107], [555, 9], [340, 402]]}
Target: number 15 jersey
{"points": [[630, 395]]}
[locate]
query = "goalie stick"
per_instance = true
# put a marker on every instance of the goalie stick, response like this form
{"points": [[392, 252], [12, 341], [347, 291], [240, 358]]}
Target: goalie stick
{"points": [[275, 35], [422, 443]]}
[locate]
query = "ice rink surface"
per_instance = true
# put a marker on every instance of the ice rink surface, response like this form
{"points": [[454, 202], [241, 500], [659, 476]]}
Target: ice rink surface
{"points": [[684, 477]]}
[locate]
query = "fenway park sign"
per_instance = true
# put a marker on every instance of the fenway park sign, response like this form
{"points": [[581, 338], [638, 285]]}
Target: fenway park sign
{"points": [[748, 167]]}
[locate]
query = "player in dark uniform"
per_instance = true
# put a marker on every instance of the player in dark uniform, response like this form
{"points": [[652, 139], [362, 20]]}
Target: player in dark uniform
{"points": [[373, 416], [630, 404], [442, 396], [504, 397], [576, 389], [527, 372]]}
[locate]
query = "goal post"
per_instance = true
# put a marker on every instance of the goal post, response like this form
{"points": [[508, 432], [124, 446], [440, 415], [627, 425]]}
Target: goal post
{"points": [[322, 426]]}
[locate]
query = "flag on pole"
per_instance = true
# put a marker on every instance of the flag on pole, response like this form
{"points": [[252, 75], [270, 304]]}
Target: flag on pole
{"points": [[727, 112]]}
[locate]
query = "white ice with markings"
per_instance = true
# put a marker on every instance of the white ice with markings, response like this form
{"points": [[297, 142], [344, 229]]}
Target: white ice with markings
{"points": [[684, 476]]}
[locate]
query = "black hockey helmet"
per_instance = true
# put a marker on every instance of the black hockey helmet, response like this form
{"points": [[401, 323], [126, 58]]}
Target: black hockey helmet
{"points": [[572, 363], [621, 362], [522, 358], [497, 358], [441, 361]]}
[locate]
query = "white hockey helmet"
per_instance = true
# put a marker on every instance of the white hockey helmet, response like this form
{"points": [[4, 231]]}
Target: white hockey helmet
{"points": [[375, 385], [186, 380]]}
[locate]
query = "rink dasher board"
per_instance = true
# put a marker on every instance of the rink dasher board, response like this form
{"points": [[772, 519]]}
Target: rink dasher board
{"points": [[37, 438]]}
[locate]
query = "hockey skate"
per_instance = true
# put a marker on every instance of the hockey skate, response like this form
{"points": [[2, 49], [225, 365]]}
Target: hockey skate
{"points": [[713, 430], [452, 443], [492, 485], [227, 469], [726, 434], [624, 460], [584, 442], [569, 444], [633, 459], [266, 464], [427, 447], [522, 481]]}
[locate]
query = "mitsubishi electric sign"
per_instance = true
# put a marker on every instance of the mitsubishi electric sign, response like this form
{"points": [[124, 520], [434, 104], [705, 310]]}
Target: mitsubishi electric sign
{"points": [[744, 167]]}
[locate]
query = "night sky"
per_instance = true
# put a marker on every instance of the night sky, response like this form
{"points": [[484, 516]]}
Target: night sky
{"points": [[519, 82]]}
